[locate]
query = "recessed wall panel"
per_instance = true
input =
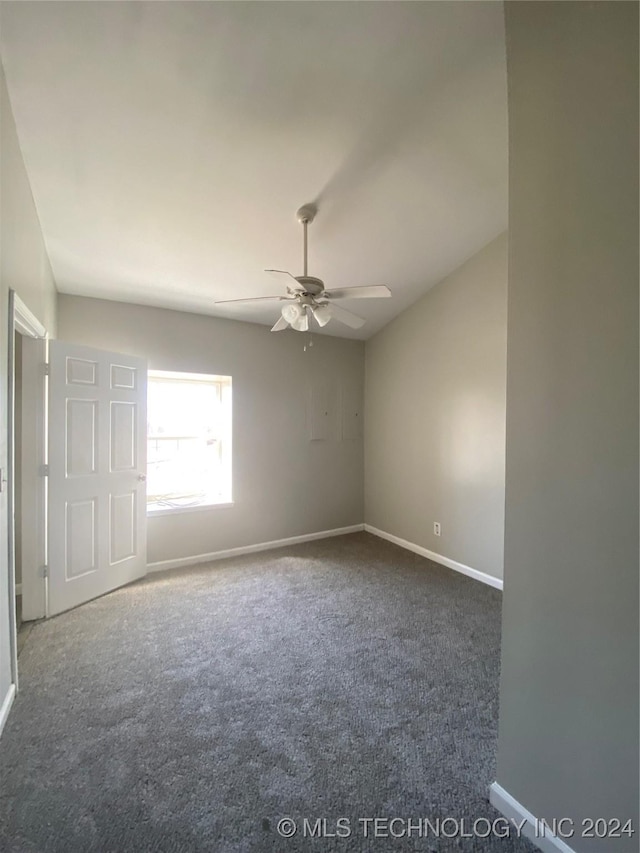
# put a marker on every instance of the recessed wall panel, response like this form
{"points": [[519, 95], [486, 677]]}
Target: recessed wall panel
{"points": [[351, 412], [81, 437], [123, 435], [122, 526], [123, 377], [80, 371], [81, 555], [322, 411]]}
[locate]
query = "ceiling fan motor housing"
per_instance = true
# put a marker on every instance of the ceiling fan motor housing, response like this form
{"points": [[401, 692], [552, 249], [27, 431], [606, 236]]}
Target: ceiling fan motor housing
{"points": [[310, 284]]}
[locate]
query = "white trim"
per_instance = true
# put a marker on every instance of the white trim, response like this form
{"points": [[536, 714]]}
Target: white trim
{"points": [[153, 511], [490, 580], [34, 594], [515, 811], [177, 376], [6, 705], [163, 565], [26, 321], [18, 589], [10, 516]]}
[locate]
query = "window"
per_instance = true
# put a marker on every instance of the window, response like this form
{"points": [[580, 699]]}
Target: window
{"points": [[188, 440]]}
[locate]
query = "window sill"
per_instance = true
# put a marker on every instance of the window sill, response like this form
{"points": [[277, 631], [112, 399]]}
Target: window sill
{"points": [[175, 510]]}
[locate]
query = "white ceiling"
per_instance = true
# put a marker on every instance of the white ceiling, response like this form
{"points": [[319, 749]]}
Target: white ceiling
{"points": [[169, 144]]}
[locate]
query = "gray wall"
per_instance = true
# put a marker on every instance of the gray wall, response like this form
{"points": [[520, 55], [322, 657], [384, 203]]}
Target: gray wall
{"points": [[283, 483], [435, 416], [24, 266], [568, 743]]}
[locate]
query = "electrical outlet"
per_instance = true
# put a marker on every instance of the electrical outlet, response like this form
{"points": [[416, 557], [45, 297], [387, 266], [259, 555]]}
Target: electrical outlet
{"points": [[436, 528]]}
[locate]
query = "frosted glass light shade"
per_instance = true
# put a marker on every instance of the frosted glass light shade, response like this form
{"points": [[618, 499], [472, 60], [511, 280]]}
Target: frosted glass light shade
{"points": [[302, 323], [296, 316], [292, 312], [322, 314]]}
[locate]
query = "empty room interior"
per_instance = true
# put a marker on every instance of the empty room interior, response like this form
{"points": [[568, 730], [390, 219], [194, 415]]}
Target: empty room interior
{"points": [[319, 426]]}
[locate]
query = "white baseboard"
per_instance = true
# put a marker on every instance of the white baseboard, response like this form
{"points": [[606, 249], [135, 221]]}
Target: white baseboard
{"points": [[6, 705], [181, 562], [533, 828], [437, 558]]}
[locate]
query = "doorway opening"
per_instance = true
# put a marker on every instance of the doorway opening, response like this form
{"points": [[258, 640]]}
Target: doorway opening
{"points": [[26, 473]]}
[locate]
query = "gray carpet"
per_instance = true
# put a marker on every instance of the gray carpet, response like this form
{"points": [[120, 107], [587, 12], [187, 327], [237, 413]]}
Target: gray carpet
{"points": [[343, 678]]}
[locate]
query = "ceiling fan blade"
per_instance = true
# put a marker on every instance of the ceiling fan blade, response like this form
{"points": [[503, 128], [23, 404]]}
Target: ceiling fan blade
{"points": [[286, 272], [251, 299], [346, 317], [281, 324], [374, 291]]}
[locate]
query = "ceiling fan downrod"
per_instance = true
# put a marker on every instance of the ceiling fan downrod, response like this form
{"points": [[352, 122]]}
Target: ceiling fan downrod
{"points": [[305, 215]]}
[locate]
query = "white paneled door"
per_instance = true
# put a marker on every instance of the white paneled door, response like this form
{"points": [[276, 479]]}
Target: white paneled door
{"points": [[97, 473]]}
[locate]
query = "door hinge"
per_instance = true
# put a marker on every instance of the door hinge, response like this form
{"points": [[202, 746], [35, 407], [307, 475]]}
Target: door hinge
{"points": [[45, 471], [45, 571], [46, 368]]}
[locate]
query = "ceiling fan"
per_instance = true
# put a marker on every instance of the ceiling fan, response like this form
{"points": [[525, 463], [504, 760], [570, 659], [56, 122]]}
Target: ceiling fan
{"points": [[307, 297]]}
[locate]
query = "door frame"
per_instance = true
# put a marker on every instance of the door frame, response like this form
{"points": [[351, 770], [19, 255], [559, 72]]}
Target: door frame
{"points": [[22, 320]]}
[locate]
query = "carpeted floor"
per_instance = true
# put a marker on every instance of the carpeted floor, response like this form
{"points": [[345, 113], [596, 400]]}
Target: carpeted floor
{"points": [[192, 711]]}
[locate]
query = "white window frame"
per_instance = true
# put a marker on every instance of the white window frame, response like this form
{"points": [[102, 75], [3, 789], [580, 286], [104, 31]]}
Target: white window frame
{"points": [[223, 382]]}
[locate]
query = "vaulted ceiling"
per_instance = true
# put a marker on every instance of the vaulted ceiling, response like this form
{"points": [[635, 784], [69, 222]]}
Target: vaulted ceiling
{"points": [[169, 145]]}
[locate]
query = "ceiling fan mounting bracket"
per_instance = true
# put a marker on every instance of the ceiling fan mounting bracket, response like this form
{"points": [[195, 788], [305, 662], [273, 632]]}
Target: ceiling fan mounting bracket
{"points": [[306, 214]]}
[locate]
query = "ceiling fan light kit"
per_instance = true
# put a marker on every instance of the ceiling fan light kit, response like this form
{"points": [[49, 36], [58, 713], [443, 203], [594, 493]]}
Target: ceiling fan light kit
{"points": [[308, 297]]}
